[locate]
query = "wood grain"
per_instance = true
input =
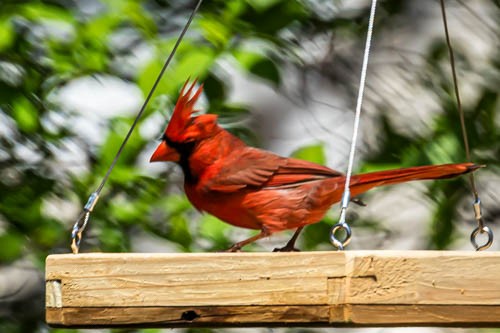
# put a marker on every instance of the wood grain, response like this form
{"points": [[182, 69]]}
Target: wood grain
{"points": [[357, 288]]}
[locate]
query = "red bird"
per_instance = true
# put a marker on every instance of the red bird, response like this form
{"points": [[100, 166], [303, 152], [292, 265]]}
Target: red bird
{"points": [[253, 188]]}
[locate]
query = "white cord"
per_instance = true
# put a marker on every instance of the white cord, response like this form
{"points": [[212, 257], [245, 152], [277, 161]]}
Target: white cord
{"points": [[346, 196]]}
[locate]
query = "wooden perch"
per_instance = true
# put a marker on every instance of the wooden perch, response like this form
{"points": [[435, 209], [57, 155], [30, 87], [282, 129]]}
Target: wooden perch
{"points": [[354, 288]]}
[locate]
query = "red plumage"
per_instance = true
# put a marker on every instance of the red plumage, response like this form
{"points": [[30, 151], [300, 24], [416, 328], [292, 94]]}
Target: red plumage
{"points": [[252, 188]]}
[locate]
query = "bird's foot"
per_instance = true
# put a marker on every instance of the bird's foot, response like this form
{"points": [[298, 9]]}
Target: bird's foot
{"points": [[286, 248]]}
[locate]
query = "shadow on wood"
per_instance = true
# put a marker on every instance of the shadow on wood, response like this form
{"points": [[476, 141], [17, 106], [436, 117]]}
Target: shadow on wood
{"points": [[355, 288]]}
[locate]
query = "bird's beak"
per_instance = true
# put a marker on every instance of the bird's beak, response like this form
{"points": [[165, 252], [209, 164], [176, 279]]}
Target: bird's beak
{"points": [[165, 153]]}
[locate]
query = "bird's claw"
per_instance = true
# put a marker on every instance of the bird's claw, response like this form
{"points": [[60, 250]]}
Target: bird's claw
{"points": [[358, 202], [286, 248]]}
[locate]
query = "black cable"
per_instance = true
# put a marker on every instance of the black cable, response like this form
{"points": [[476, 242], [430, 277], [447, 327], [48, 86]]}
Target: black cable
{"points": [[457, 95], [481, 228], [79, 227]]}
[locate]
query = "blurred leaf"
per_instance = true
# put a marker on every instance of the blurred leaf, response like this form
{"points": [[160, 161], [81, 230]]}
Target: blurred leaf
{"points": [[266, 69], [393, 145], [119, 128], [195, 64], [125, 176], [214, 89], [214, 30], [230, 114], [92, 60], [214, 229], [128, 211], [21, 204], [484, 111], [7, 93], [247, 58], [258, 65], [262, 5], [175, 204], [12, 246], [447, 195], [444, 149], [36, 11], [112, 239], [244, 134], [95, 31], [373, 167], [313, 153], [7, 34], [148, 77], [271, 16], [48, 233], [25, 114], [316, 234], [180, 231], [141, 19]]}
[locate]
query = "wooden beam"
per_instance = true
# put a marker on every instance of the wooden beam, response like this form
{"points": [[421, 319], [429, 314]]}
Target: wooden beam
{"points": [[354, 288]]}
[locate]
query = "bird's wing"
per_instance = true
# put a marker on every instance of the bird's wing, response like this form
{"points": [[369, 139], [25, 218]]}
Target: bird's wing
{"points": [[255, 168]]}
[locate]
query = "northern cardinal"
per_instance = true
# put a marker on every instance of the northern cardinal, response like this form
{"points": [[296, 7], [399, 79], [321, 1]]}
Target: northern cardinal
{"points": [[256, 189]]}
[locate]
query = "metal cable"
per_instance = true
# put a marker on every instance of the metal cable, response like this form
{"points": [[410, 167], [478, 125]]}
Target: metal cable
{"points": [[347, 195], [83, 218], [481, 228], [457, 95]]}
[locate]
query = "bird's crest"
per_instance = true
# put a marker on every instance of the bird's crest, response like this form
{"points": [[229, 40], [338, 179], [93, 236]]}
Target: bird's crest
{"points": [[183, 127]]}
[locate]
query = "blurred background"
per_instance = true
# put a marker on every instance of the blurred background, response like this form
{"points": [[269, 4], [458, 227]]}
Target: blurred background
{"points": [[282, 74]]}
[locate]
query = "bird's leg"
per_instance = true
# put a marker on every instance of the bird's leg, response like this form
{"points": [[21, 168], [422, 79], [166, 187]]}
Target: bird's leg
{"points": [[290, 246], [237, 246]]}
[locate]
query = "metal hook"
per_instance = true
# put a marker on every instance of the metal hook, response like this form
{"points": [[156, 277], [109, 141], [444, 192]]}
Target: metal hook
{"points": [[482, 230], [79, 226], [76, 233], [340, 244]]}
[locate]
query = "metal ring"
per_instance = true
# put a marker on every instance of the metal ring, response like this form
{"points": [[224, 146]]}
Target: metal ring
{"points": [[482, 230], [340, 244]]}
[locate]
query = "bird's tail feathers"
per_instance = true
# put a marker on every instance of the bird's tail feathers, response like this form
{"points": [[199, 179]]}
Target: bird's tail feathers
{"points": [[363, 182]]}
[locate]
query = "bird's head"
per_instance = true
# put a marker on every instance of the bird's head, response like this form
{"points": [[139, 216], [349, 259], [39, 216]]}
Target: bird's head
{"points": [[184, 131]]}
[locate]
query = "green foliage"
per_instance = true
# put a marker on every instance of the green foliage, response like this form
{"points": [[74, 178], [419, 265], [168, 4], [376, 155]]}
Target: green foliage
{"points": [[45, 45], [259, 65], [314, 153], [12, 244], [444, 144], [25, 115], [216, 231]]}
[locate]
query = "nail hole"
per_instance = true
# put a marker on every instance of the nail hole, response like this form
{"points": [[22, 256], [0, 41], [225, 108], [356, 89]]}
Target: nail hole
{"points": [[189, 315]]}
